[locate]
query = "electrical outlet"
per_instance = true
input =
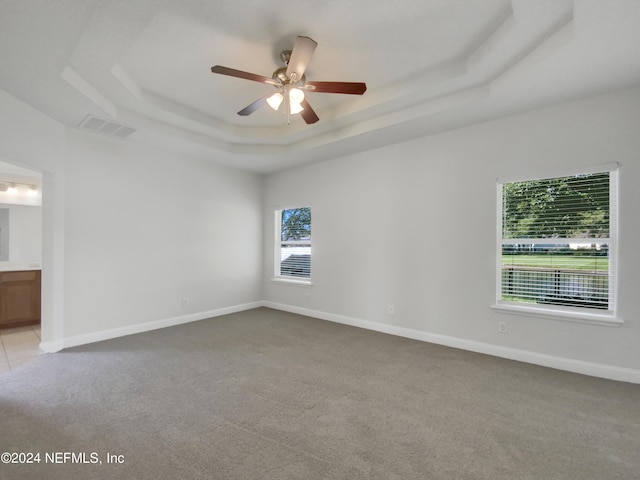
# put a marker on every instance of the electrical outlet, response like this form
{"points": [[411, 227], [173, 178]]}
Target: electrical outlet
{"points": [[391, 309], [502, 327], [185, 301]]}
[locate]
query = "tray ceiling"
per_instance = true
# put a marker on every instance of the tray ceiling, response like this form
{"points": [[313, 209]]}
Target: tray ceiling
{"points": [[429, 66]]}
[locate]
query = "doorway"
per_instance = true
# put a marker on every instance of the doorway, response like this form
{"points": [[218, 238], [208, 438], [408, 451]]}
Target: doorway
{"points": [[20, 265]]}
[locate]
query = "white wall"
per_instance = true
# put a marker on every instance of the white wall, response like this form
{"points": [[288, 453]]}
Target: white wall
{"points": [[144, 229], [414, 225], [128, 231]]}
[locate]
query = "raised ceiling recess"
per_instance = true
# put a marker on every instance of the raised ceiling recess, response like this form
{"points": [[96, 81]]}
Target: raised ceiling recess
{"points": [[428, 66]]}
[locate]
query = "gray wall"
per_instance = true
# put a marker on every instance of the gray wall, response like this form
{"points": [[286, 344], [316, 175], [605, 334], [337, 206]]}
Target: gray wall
{"points": [[414, 225], [130, 230], [144, 229]]}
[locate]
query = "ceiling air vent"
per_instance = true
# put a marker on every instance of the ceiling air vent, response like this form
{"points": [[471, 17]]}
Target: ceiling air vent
{"points": [[108, 127]]}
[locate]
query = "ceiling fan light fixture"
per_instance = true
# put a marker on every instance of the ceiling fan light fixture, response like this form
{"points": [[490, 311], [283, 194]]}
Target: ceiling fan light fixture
{"points": [[275, 100], [296, 95], [295, 108]]}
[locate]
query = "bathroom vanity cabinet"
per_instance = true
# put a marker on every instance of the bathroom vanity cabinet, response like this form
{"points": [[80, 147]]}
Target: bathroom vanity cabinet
{"points": [[19, 298]]}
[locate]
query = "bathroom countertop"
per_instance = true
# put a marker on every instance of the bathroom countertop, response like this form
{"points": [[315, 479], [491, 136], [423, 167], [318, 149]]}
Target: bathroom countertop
{"points": [[18, 268]]}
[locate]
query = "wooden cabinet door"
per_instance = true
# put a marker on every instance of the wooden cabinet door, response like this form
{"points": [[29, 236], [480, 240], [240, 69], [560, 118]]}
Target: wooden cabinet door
{"points": [[19, 298]]}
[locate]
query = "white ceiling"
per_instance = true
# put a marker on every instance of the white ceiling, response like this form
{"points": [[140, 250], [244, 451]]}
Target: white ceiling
{"points": [[429, 65]]}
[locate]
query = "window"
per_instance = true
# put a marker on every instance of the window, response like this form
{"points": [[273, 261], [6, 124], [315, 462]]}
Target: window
{"points": [[557, 243], [293, 244]]}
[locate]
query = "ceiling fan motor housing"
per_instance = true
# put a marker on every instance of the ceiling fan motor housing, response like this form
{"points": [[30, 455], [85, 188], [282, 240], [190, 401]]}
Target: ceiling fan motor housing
{"points": [[280, 75]]}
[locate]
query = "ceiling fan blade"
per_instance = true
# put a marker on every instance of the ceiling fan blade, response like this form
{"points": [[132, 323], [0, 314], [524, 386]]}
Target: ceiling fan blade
{"points": [[351, 88], [300, 57], [232, 72], [307, 113], [249, 109]]}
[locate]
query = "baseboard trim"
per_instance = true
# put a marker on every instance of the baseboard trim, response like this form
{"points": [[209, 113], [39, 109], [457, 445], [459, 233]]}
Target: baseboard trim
{"points": [[609, 372], [52, 347], [77, 340], [561, 363]]}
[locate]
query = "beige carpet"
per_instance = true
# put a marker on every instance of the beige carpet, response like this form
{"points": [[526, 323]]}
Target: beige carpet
{"points": [[269, 395]]}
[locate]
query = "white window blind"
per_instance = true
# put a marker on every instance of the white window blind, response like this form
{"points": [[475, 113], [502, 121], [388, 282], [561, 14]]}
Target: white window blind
{"points": [[293, 243], [557, 245]]}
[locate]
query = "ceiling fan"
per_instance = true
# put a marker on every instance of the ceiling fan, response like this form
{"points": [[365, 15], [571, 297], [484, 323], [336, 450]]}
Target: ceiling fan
{"points": [[291, 83]]}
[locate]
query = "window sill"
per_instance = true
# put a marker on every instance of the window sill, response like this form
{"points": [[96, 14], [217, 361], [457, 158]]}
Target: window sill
{"points": [[558, 314], [292, 281]]}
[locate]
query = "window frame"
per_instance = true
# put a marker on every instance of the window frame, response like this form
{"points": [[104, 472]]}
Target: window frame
{"points": [[559, 312], [278, 243]]}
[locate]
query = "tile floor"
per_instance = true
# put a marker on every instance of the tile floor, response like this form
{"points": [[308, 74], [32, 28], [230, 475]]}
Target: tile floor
{"points": [[18, 346]]}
